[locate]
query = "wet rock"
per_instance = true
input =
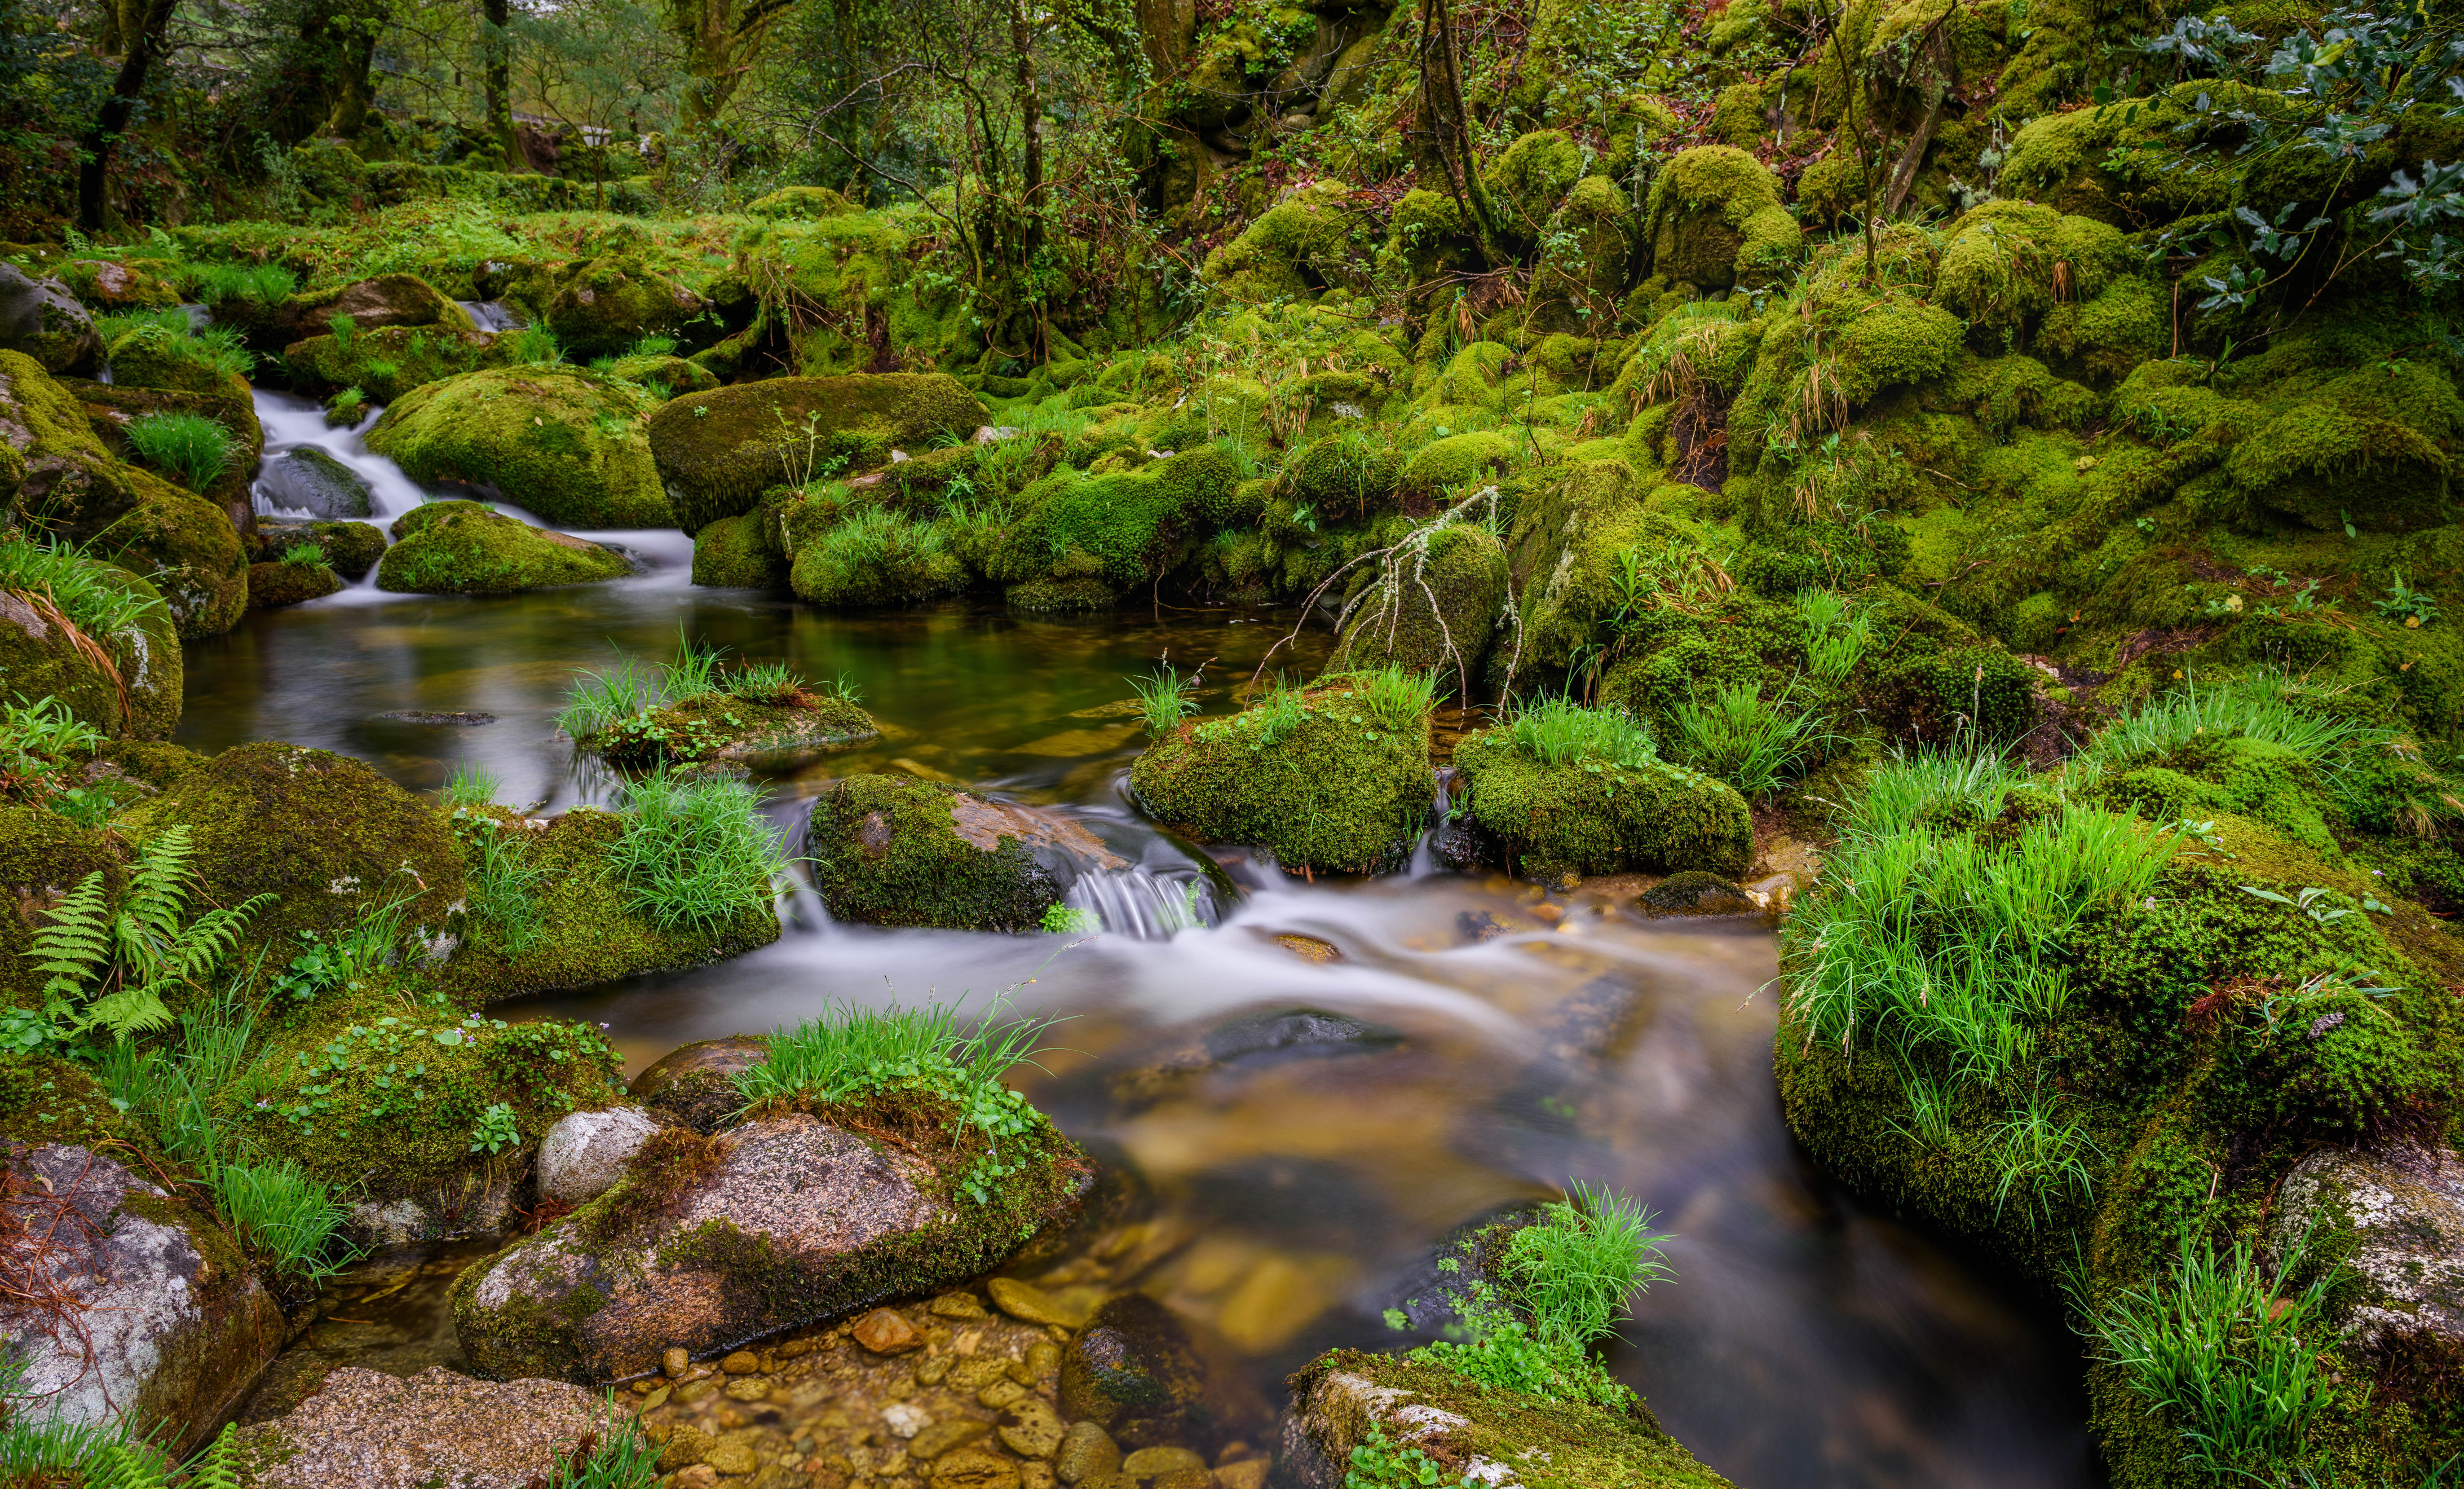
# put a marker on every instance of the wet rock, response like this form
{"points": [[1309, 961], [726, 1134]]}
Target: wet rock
{"points": [[475, 1202], [350, 549], [606, 305], [456, 719], [694, 1085], [1697, 894], [1289, 1033], [718, 452], [372, 305], [973, 1468], [462, 548], [890, 849], [1030, 1428], [41, 319], [885, 1332], [585, 1154], [1437, 613], [310, 481], [372, 1430], [279, 586], [1133, 1360], [780, 1222], [1547, 821], [949, 1433], [958, 1305], [158, 1316], [1033, 1304], [2405, 1210], [562, 443], [721, 730], [1309, 948], [1087, 1452]]}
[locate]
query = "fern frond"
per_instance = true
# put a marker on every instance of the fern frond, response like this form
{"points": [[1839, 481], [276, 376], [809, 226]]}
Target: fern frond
{"points": [[218, 1466], [201, 947], [147, 927], [74, 945], [118, 1467], [128, 1011]]}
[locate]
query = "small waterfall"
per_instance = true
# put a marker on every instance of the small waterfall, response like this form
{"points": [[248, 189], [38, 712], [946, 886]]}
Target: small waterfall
{"points": [[492, 315], [1147, 903], [1424, 859]]}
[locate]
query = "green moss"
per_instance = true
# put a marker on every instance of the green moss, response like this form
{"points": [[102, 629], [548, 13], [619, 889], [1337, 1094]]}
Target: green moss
{"points": [[2007, 264], [279, 585], [1453, 466], [388, 363], [38, 660], [1714, 219], [1435, 610], [889, 850], [1596, 818], [186, 547], [47, 1100], [877, 557], [802, 202], [719, 450], [2318, 461], [1341, 791], [604, 305], [721, 727], [736, 552], [1533, 177], [565, 444], [461, 548], [1310, 240]]}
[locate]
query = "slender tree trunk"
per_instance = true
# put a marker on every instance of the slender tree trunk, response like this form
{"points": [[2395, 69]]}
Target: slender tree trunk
{"points": [[1442, 151], [94, 173], [496, 49]]}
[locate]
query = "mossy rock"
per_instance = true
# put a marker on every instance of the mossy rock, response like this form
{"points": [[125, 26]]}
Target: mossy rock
{"points": [[736, 553], [308, 479], [590, 929], [38, 659], [43, 855], [44, 1098], [694, 1085], [664, 375], [565, 444], [1435, 613], [461, 548], [1342, 791], [103, 284], [718, 452], [373, 304], [876, 558], [1533, 177], [153, 356], [605, 304], [391, 361], [801, 204], [1714, 219], [1310, 240], [279, 585], [2008, 264], [110, 410], [350, 549], [323, 833], [1596, 817], [42, 322], [719, 727], [186, 547], [890, 849]]}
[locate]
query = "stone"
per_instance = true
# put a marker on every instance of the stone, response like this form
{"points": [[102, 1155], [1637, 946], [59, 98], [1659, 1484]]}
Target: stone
{"points": [[1182, 1478], [891, 850], [463, 548], [373, 1430], [750, 1388], [694, 1085], [1247, 1474], [743, 1362], [718, 452], [1147, 1462], [159, 1318], [1087, 1452], [1033, 1304], [584, 1155], [906, 1418], [732, 1458], [675, 1362], [274, 587], [564, 444], [958, 1305], [1133, 1354], [973, 1468], [41, 319], [701, 1476], [1028, 1426], [885, 1332], [2405, 1209], [791, 1221], [946, 1436], [1289, 1033], [310, 481]]}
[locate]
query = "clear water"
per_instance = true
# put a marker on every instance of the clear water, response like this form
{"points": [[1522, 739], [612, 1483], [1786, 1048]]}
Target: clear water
{"points": [[1805, 1341]]}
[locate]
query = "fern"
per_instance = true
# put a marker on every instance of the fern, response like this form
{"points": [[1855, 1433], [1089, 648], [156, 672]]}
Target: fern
{"points": [[118, 1467], [75, 948], [218, 1466], [130, 958]]}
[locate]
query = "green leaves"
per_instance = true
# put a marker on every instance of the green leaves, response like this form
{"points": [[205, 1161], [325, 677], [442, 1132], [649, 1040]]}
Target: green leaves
{"points": [[120, 964]]}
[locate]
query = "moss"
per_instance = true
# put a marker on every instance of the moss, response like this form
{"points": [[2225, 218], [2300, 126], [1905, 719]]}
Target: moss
{"points": [[1436, 612], [2318, 462], [1309, 241], [328, 837], [1342, 791], [801, 202], [38, 660], [1595, 818], [1892, 343], [1347, 476], [279, 584], [2130, 322], [386, 300], [389, 362], [43, 855], [1714, 219], [350, 549], [567, 445], [1533, 177], [186, 547], [587, 930], [876, 557], [153, 357], [661, 376], [2007, 264], [44, 1098], [889, 850], [720, 727], [110, 410], [736, 552], [604, 305], [461, 548], [719, 450], [1123, 529], [1451, 467]]}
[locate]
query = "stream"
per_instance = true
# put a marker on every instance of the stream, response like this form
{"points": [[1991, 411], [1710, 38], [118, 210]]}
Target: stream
{"points": [[1490, 1042]]}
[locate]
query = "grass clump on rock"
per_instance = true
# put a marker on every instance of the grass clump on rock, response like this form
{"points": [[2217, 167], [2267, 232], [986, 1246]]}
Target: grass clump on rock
{"points": [[1569, 788], [687, 709]]}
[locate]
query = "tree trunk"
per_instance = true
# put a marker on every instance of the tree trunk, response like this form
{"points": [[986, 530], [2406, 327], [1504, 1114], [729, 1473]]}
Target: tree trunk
{"points": [[94, 173], [496, 47], [353, 91], [1441, 149]]}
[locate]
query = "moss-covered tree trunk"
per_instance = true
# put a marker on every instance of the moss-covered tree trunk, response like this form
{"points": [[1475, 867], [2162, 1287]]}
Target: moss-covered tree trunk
{"points": [[496, 50], [141, 27]]}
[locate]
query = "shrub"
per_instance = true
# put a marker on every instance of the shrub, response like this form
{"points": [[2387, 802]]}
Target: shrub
{"points": [[190, 446], [696, 852]]}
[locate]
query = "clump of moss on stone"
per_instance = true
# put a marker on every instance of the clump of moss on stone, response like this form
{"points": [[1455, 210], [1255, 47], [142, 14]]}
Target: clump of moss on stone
{"points": [[1595, 815], [462, 548], [564, 443], [719, 450], [889, 850]]}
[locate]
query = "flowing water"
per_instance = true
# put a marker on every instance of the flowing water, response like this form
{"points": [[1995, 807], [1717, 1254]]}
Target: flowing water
{"points": [[1491, 1043]]}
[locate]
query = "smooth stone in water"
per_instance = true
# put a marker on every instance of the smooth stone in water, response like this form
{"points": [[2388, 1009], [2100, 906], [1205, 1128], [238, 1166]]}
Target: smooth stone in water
{"points": [[1033, 1304], [373, 1430], [1029, 1425], [886, 1333], [1147, 1462], [1133, 1356], [308, 479], [585, 1154], [945, 1436], [973, 1468], [1087, 1452]]}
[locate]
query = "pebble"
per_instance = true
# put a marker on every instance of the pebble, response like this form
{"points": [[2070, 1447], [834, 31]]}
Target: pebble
{"points": [[675, 1362], [696, 1390], [1148, 1462], [744, 1362], [1183, 1478], [1030, 1428], [1043, 1358], [1033, 1304], [750, 1388], [656, 1399], [701, 1476], [973, 1468], [732, 1458], [943, 1437], [1001, 1393], [1247, 1474], [1087, 1452], [958, 1305], [885, 1333], [905, 1418]]}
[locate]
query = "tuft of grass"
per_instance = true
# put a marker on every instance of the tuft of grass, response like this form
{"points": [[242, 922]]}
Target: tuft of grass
{"points": [[535, 346], [696, 852], [505, 886], [692, 673], [1398, 697], [1751, 742], [1279, 713], [654, 344], [617, 1455], [1836, 632], [1555, 730], [2264, 705], [282, 1215], [190, 446], [39, 1444], [598, 700], [767, 682], [304, 555], [1164, 698], [471, 785], [220, 284]]}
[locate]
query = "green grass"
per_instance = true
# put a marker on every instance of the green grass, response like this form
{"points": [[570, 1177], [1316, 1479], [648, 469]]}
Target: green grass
{"points": [[283, 1216], [217, 285], [473, 786], [764, 682], [39, 1445], [2233, 1353], [695, 852], [190, 446], [1754, 744], [304, 555], [504, 886], [90, 593], [2262, 705], [535, 346], [1555, 730], [1164, 699], [1836, 632], [1279, 713], [615, 1457], [691, 672], [599, 699], [654, 344]]}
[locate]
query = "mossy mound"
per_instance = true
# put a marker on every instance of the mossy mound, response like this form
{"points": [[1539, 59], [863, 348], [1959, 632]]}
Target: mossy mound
{"points": [[661, 374], [738, 553], [565, 444], [1322, 784], [582, 926], [605, 304], [350, 549], [41, 320], [154, 356], [1310, 240], [331, 838], [1715, 219], [276, 586], [890, 849], [44, 1098], [1594, 816], [462, 548], [389, 361], [805, 203], [723, 727], [1433, 611], [186, 547], [719, 450], [139, 696]]}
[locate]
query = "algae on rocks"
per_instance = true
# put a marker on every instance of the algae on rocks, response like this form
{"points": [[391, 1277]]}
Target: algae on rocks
{"points": [[890, 849]]}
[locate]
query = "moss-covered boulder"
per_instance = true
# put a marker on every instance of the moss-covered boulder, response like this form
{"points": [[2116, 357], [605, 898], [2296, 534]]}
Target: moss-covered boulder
{"points": [[326, 835], [110, 408], [132, 689], [103, 284], [1715, 219], [1432, 609], [42, 321], [604, 305], [773, 730], [564, 443], [1313, 240], [718, 452], [350, 549], [738, 553], [388, 362], [283, 582], [890, 849], [800, 203], [186, 547], [785, 1220], [308, 479], [1318, 779], [389, 299], [1600, 816], [693, 1085], [462, 548], [154, 355], [42, 857], [664, 375]]}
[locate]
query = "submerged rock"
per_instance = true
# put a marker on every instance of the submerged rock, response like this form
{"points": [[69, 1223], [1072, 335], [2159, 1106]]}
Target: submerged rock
{"points": [[310, 481], [783, 1221], [373, 1430], [128, 1303], [890, 849], [462, 548]]}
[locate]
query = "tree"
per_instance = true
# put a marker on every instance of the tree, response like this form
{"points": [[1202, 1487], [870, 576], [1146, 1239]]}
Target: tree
{"points": [[138, 25]]}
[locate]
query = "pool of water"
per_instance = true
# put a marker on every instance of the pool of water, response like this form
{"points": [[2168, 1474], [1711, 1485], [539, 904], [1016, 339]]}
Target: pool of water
{"points": [[1504, 1042]]}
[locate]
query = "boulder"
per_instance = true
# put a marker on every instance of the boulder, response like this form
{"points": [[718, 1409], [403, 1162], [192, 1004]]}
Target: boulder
{"points": [[1594, 816], [389, 362], [718, 452], [694, 1085], [664, 375], [1133, 1362], [585, 1154], [115, 286], [373, 1430], [308, 479], [1435, 613], [128, 1303], [462, 548], [2404, 1211], [1715, 218], [138, 695], [372, 305], [110, 410], [351, 548], [565, 444], [604, 306], [41, 320], [783, 1221], [158, 356], [891, 850], [282, 584], [736, 553]]}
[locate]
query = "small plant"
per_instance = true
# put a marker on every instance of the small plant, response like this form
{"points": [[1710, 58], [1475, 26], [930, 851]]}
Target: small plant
{"points": [[1164, 699], [2309, 901], [2413, 607], [598, 701], [1376, 1463], [1398, 698], [83, 590], [366, 947], [1837, 633], [692, 673], [696, 854], [654, 344], [283, 1216], [215, 284], [535, 346], [110, 969], [616, 1457], [304, 555], [190, 446], [497, 1131], [471, 785], [1555, 730], [775, 684], [345, 329], [1064, 919], [37, 742], [347, 406], [1750, 742]]}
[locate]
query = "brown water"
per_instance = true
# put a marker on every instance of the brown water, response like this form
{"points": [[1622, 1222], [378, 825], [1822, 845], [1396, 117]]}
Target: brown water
{"points": [[1521, 1042]]}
